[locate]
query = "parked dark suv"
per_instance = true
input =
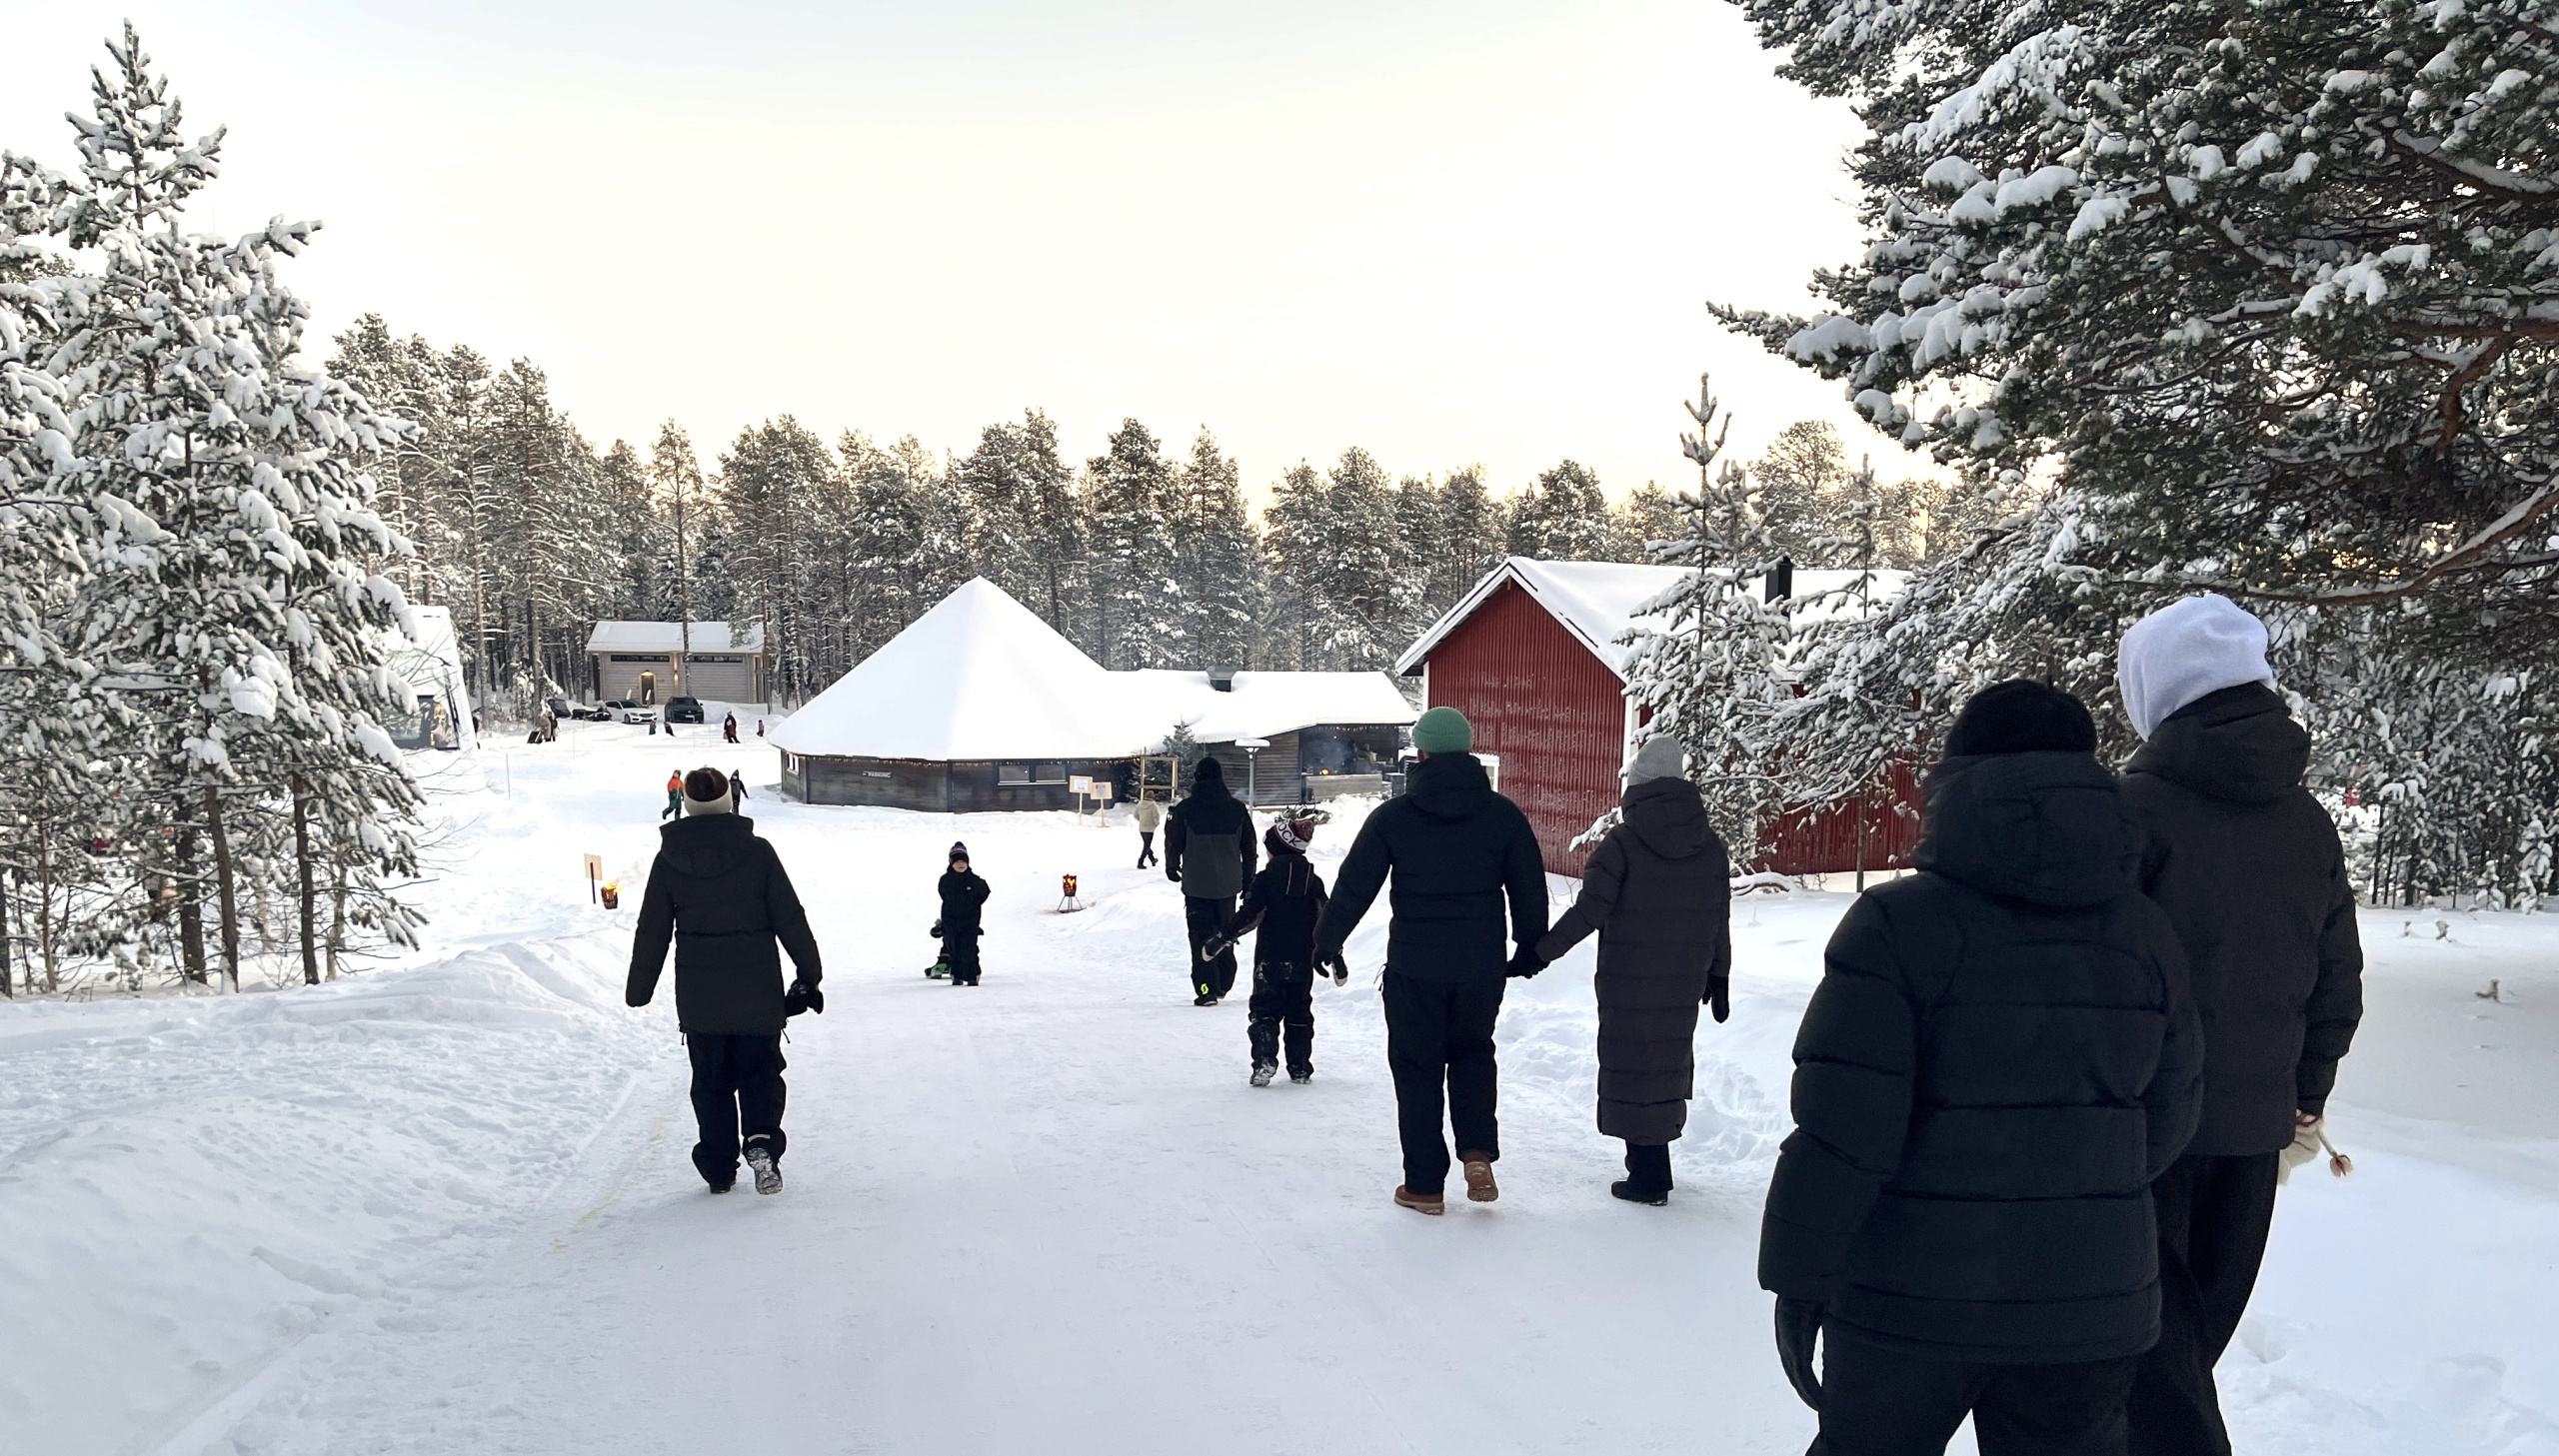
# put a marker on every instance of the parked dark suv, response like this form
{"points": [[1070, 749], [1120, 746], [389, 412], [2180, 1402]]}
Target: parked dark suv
{"points": [[684, 709]]}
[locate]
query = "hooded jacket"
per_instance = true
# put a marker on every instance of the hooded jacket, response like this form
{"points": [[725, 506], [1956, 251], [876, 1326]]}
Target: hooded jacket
{"points": [[1207, 839], [2248, 867], [963, 899], [1284, 902], [1658, 890], [720, 894], [2001, 1055], [1457, 850]]}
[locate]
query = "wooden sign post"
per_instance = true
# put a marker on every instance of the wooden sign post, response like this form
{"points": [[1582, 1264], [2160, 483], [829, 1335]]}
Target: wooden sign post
{"points": [[594, 875]]}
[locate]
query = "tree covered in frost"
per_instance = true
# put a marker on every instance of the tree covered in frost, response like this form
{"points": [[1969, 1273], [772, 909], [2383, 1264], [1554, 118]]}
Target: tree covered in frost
{"points": [[2254, 299], [1216, 566], [231, 637], [1129, 493]]}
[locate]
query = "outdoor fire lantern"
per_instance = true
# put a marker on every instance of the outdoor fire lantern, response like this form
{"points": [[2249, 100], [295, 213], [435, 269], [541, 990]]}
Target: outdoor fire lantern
{"points": [[613, 897], [1071, 886]]}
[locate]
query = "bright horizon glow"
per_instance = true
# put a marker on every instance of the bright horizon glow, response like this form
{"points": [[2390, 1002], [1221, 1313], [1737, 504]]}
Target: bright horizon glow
{"points": [[1449, 234]]}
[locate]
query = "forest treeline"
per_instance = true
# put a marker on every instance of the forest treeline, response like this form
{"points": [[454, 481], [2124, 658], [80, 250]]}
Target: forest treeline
{"points": [[1148, 554]]}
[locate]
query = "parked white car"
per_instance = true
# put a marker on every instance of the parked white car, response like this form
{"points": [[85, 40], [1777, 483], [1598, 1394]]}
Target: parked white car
{"points": [[622, 710]]}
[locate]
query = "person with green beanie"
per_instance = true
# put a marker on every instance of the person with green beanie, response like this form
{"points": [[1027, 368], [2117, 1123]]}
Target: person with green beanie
{"points": [[1457, 851]]}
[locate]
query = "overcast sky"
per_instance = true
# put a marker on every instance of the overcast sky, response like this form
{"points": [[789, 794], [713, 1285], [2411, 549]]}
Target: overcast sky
{"points": [[1449, 232]]}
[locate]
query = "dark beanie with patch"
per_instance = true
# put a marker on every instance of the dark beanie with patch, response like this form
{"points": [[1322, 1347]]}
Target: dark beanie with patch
{"points": [[2019, 716]]}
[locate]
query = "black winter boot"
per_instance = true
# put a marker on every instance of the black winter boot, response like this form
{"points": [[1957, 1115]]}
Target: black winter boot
{"points": [[1647, 1174]]}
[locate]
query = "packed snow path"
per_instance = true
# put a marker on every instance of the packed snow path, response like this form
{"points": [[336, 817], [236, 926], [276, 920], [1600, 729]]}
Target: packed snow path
{"points": [[448, 1208]]}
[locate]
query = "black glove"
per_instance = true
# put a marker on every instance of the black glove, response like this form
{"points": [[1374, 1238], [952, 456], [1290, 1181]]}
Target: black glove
{"points": [[1341, 970], [804, 995], [1720, 996], [1798, 1321], [1172, 871], [1525, 964], [935, 931], [1212, 947]]}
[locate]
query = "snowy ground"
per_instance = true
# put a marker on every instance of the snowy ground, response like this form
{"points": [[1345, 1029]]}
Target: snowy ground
{"points": [[446, 1208]]}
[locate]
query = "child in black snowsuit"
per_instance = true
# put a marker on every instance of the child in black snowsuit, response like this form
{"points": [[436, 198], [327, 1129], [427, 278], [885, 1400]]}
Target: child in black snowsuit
{"points": [[963, 892], [1285, 901]]}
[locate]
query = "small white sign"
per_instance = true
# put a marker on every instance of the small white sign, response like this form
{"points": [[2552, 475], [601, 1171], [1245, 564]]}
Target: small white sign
{"points": [[1080, 783], [1102, 790]]}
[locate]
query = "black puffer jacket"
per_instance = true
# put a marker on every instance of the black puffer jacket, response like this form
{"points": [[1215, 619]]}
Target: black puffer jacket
{"points": [[720, 894], [1456, 850], [964, 899], [2001, 1057], [1209, 841], [1658, 890], [1284, 904], [2248, 867]]}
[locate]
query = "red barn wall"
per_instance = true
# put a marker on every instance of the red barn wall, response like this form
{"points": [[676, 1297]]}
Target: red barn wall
{"points": [[1537, 698]]}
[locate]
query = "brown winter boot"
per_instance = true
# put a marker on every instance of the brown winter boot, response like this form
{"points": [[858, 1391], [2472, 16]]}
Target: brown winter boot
{"points": [[1480, 1188], [1430, 1203]]}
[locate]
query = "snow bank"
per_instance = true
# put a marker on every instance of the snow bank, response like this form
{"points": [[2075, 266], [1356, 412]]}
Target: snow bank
{"points": [[190, 1187]]}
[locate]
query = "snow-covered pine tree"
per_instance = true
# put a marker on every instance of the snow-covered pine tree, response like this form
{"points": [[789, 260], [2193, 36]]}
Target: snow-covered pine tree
{"points": [[1028, 534], [1796, 481], [1295, 537], [1471, 539], [1366, 594], [2267, 298], [1217, 560], [1564, 517], [247, 629], [1648, 516], [769, 480], [1127, 499], [1708, 670], [1421, 540]]}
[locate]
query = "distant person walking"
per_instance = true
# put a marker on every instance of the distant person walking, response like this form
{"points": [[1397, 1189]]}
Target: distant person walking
{"points": [[964, 896], [1457, 851], [1150, 816], [720, 895], [2001, 1055], [675, 797], [1209, 851], [738, 785], [1283, 906], [1659, 891], [729, 728], [2248, 867]]}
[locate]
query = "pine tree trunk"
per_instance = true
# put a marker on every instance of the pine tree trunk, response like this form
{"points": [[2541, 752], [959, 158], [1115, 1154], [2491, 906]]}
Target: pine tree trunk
{"points": [[225, 892], [189, 900], [337, 918], [8, 980], [302, 867], [44, 909]]}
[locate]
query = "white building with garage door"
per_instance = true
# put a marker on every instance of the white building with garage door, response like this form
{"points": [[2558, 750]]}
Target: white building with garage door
{"points": [[651, 662]]}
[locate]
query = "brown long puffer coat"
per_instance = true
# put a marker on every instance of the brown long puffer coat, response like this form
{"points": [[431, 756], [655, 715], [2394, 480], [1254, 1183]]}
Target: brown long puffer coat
{"points": [[1658, 890]]}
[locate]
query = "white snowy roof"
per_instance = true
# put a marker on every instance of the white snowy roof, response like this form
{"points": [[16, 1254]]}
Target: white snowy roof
{"points": [[1601, 602], [668, 637], [1263, 703], [981, 676]]}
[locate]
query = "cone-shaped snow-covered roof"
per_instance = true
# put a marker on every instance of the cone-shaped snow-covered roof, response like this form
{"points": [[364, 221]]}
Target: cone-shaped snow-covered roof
{"points": [[979, 677]]}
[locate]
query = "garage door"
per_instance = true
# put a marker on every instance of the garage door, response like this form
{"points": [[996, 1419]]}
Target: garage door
{"points": [[720, 680]]}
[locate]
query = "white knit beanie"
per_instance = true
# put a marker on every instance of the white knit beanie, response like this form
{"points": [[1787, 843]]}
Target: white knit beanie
{"points": [[1658, 758], [2185, 651]]}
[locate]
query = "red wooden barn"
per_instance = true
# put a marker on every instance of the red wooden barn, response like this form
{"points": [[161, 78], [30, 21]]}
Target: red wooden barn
{"points": [[1532, 657]]}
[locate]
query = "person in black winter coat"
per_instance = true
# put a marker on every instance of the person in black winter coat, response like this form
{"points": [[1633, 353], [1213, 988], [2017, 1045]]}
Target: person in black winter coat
{"points": [[963, 895], [1284, 904], [2001, 1055], [1658, 890], [720, 894], [1457, 851], [1209, 851], [2249, 869]]}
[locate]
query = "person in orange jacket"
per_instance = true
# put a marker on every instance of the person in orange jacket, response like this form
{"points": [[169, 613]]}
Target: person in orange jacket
{"points": [[675, 797]]}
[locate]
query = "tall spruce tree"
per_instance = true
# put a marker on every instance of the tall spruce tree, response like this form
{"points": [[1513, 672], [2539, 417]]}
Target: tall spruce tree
{"points": [[1128, 499], [1216, 561]]}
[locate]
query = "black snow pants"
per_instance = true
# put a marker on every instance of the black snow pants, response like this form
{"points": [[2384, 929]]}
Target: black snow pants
{"points": [[959, 951], [1207, 915], [737, 1099], [1284, 1000], [1878, 1402], [1440, 1035], [2213, 1217], [1146, 847]]}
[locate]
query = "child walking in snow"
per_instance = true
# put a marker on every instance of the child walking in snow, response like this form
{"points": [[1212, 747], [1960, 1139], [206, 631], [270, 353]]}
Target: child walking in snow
{"points": [[675, 797], [963, 892], [1284, 902]]}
